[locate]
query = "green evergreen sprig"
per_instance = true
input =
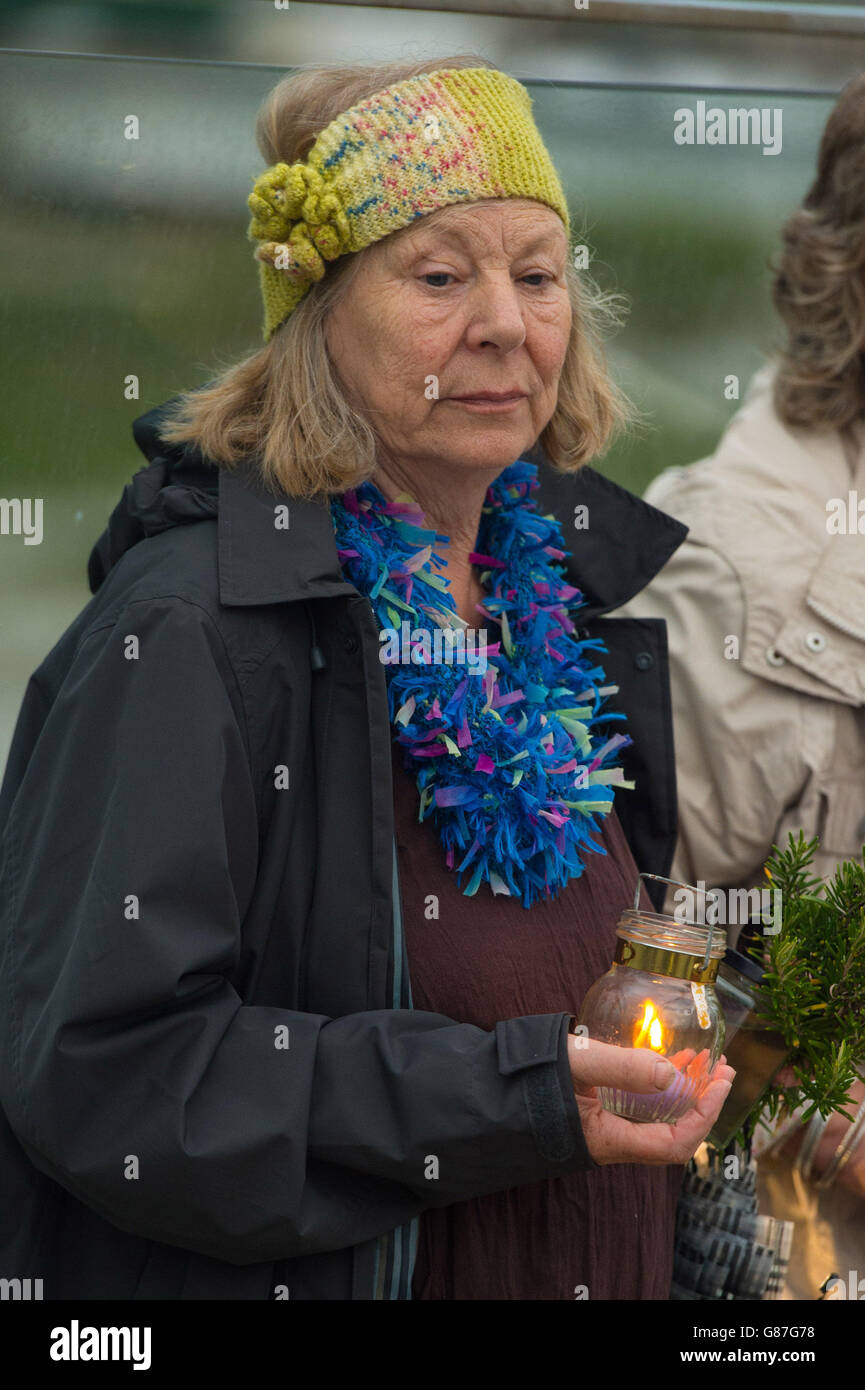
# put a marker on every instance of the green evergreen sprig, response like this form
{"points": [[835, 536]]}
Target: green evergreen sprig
{"points": [[813, 992]]}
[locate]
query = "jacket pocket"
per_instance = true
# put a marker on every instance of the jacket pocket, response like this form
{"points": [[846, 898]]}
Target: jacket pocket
{"points": [[843, 816]]}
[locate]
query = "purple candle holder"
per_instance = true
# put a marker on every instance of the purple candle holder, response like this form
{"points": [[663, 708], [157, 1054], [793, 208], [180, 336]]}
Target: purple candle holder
{"points": [[660, 1106]]}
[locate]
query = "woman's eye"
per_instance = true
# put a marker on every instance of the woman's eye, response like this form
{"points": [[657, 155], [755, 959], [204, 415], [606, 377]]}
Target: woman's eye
{"points": [[539, 276]]}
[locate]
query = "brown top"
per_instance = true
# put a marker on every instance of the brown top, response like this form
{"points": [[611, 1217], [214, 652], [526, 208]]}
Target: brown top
{"points": [[487, 958]]}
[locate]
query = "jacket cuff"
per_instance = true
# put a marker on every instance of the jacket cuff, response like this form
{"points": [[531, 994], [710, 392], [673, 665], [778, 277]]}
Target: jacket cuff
{"points": [[572, 1110], [537, 1047]]}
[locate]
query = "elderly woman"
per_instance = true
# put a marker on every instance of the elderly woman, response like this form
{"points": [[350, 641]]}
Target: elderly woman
{"points": [[295, 934]]}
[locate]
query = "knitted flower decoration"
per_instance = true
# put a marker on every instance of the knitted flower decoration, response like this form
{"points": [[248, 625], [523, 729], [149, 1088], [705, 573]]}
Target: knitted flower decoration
{"points": [[298, 220]]}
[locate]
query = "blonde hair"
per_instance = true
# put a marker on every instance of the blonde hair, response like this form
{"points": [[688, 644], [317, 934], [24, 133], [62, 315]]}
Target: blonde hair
{"points": [[819, 285], [285, 405]]}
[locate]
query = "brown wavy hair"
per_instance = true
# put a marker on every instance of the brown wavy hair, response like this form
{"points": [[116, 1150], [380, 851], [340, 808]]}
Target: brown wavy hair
{"points": [[819, 284], [285, 404]]}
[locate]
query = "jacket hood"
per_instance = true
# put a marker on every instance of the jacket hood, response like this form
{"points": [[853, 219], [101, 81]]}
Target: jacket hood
{"points": [[625, 542], [175, 487]]}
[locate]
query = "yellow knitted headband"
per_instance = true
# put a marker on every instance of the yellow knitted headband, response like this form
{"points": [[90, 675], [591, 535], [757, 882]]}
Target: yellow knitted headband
{"points": [[452, 136]]}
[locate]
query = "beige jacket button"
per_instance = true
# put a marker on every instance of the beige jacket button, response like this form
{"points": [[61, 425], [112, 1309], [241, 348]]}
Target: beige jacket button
{"points": [[815, 641], [774, 658]]}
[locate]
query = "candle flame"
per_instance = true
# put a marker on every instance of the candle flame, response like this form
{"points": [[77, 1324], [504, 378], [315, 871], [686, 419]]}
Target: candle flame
{"points": [[649, 1031]]}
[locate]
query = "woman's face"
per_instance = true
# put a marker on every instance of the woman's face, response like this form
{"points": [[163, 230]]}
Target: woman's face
{"points": [[469, 299]]}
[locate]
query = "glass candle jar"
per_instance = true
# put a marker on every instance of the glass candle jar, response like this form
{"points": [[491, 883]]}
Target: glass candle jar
{"points": [[736, 988], [752, 1047], [659, 993]]}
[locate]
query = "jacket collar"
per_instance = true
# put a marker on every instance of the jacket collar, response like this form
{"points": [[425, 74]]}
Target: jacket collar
{"points": [[273, 548], [277, 549], [622, 542]]}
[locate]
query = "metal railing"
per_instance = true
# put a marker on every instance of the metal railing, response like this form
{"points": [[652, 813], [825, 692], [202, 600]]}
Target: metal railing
{"points": [[805, 20]]}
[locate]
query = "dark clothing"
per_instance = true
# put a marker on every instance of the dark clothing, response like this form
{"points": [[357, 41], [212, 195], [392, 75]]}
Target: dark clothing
{"points": [[481, 958], [212, 1082]]}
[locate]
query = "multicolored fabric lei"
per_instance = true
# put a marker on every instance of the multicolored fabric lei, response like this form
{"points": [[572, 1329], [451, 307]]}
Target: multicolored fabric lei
{"points": [[514, 763]]}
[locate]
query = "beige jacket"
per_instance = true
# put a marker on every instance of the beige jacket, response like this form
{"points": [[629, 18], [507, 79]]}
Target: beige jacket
{"points": [[765, 612]]}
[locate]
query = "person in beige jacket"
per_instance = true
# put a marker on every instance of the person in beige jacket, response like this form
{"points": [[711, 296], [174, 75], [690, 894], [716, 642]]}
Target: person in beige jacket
{"points": [[765, 609], [765, 614]]}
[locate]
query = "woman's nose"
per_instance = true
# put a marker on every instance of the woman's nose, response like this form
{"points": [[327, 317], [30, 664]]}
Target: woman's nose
{"points": [[496, 314]]}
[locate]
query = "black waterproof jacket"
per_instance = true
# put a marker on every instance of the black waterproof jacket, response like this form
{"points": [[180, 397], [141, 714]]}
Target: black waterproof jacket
{"points": [[212, 1081]]}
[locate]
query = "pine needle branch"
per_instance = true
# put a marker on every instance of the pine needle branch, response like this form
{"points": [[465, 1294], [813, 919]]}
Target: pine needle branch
{"points": [[813, 991]]}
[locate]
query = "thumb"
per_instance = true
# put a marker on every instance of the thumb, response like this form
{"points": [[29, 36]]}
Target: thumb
{"points": [[631, 1068]]}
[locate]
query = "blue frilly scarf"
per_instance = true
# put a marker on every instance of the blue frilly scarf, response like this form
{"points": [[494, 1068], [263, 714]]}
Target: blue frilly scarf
{"points": [[514, 765]]}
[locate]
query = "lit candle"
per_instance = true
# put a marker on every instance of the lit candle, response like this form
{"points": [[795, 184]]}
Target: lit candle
{"points": [[649, 1029], [683, 1092]]}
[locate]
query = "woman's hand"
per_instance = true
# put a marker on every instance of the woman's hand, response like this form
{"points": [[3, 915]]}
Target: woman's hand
{"points": [[611, 1139]]}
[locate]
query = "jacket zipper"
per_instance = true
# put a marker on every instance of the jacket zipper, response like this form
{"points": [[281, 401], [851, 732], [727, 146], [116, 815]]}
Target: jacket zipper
{"points": [[835, 620], [396, 1250]]}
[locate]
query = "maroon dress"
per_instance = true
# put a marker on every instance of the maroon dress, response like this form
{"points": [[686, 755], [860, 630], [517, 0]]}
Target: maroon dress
{"points": [[484, 958]]}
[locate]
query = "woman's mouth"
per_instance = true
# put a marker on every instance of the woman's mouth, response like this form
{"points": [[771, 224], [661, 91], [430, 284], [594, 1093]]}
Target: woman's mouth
{"points": [[491, 400]]}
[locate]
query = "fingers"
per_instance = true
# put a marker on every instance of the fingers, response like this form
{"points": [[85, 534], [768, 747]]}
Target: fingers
{"points": [[724, 1072], [630, 1068], [611, 1139], [688, 1134], [681, 1059]]}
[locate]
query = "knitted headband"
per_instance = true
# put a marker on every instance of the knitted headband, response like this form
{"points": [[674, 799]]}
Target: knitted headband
{"points": [[452, 136]]}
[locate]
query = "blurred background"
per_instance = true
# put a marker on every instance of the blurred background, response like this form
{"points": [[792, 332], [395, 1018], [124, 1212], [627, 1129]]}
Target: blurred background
{"points": [[127, 257]]}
